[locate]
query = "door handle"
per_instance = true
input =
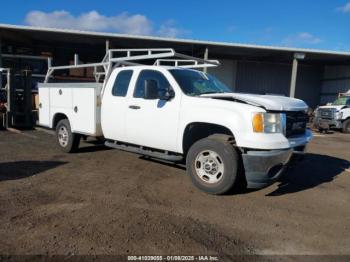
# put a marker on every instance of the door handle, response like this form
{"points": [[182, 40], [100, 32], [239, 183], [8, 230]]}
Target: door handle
{"points": [[134, 107]]}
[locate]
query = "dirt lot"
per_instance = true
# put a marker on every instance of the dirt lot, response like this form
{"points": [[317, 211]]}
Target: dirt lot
{"points": [[101, 201]]}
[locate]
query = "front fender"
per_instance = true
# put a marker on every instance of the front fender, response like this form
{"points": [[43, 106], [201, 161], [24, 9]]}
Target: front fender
{"points": [[232, 120]]}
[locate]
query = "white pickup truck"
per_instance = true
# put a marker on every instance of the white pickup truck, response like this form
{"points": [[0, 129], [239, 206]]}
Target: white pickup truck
{"points": [[335, 115], [179, 114]]}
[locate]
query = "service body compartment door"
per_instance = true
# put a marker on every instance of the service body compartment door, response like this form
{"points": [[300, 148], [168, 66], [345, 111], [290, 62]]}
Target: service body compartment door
{"points": [[84, 110], [44, 106], [79, 102], [61, 97]]}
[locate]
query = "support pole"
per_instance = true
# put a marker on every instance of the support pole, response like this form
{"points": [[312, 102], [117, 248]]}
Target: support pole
{"points": [[107, 46], [8, 87], [10, 98], [293, 81], [294, 78], [76, 59], [0, 62], [49, 62], [206, 57]]}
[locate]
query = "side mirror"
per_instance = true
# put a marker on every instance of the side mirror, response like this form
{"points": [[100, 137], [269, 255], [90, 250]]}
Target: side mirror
{"points": [[166, 94], [150, 89]]}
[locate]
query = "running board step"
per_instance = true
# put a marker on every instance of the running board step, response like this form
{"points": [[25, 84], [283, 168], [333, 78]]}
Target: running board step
{"points": [[141, 151]]}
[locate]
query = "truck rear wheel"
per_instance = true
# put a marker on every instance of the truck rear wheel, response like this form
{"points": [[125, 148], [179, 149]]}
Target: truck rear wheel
{"points": [[66, 140], [346, 126], [212, 165]]}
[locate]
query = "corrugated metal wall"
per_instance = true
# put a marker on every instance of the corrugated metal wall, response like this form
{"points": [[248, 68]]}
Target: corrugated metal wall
{"points": [[336, 80], [309, 83], [274, 78], [263, 78], [226, 72]]}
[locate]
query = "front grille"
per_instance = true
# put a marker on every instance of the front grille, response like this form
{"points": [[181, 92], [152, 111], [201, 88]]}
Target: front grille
{"points": [[296, 123], [326, 113]]}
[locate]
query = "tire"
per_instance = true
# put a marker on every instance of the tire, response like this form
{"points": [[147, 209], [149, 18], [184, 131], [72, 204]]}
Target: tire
{"points": [[220, 171], [346, 126], [66, 140], [100, 140]]}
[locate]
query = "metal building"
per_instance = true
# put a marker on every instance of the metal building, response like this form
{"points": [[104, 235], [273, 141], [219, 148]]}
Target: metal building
{"points": [[316, 76]]}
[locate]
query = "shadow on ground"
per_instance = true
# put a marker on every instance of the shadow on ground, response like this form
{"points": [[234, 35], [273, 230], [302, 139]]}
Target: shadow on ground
{"points": [[179, 165], [90, 149], [313, 171], [22, 169]]}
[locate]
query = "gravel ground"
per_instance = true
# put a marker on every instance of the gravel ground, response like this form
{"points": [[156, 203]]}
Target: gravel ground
{"points": [[101, 201]]}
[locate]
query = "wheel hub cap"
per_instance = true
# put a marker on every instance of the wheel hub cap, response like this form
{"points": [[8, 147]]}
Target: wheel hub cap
{"points": [[209, 166], [63, 136]]}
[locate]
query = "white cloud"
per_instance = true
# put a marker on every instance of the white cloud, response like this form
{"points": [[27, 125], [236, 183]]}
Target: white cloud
{"points": [[122, 23], [345, 8], [308, 38], [301, 39], [169, 29]]}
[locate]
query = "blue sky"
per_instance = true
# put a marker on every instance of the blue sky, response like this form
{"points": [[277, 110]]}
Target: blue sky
{"points": [[318, 24]]}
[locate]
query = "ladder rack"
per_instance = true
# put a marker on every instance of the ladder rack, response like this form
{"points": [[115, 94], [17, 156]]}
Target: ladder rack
{"points": [[130, 57], [185, 63]]}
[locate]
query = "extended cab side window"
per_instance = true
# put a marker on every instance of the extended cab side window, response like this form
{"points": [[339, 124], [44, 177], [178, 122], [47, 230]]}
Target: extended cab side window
{"points": [[150, 75], [121, 83]]}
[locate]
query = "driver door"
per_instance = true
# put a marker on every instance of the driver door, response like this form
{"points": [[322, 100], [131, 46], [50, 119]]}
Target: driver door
{"points": [[152, 122]]}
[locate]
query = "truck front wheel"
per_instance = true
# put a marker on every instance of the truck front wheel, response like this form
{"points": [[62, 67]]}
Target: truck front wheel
{"points": [[346, 126], [66, 140], [212, 165]]}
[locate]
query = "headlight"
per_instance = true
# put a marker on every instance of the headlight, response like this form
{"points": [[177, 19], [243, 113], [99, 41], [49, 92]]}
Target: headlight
{"points": [[269, 122], [338, 115]]}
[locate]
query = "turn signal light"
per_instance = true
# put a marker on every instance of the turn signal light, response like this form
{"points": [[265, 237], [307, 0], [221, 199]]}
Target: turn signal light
{"points": [[258, 123]]}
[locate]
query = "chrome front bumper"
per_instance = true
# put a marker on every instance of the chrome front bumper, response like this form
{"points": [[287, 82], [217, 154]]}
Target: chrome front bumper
{"points": [[327, 123]]}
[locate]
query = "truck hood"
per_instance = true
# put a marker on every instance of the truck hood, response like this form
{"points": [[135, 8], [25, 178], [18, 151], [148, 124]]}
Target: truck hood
{"points": [[269, 102], [337, 108]]}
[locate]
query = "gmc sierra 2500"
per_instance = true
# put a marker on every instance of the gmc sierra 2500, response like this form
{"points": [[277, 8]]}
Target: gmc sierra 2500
{"points": [[177, 113]]}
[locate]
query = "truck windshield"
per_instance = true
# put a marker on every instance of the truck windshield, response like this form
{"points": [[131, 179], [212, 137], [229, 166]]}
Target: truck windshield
{"points": [[342, 101], [195, 83]]}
